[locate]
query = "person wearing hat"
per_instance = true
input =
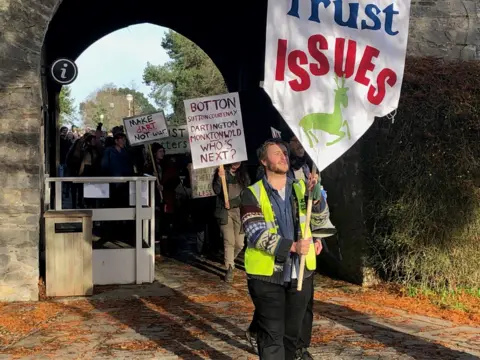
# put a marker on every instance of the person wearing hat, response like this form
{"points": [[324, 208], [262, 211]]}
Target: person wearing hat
{"points": [[158, 152]]}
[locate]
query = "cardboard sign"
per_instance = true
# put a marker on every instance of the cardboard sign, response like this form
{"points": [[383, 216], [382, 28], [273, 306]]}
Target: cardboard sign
{"points": [[215, 130], [177, 140], [146, 128], [331, 67], [201, 180]]}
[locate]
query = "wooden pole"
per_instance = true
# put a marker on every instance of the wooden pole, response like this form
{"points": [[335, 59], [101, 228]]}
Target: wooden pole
{"points": [[154, 165], [225, 188], [307, 226]]}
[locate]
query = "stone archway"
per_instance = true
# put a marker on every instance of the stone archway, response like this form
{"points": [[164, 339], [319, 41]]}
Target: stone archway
{"points": [[35, 32]]}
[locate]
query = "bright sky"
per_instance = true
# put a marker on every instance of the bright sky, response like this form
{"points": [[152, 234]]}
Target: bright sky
{"points": [[119, 58]]}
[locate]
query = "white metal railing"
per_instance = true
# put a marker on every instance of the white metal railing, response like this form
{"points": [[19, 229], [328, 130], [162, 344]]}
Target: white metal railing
{"points": [[144, 216]]}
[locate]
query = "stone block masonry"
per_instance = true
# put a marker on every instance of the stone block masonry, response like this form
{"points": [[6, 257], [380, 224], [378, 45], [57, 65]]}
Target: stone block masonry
{"points": [[447, 29], [20, 193], [22, 28]]}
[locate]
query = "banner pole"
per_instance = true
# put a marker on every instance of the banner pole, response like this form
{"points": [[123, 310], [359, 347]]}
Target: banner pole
{"points": [[155, 171], [225, 188], [307, 226]]}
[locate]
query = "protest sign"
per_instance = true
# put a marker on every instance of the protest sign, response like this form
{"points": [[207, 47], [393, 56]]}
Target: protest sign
{"points": [[276, 133], [215, 130], [146, 128], [331, 67], [201, 180], [177, 140]]}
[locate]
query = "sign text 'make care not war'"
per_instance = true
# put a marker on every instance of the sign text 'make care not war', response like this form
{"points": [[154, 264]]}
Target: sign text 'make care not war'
{"points": [[215, 130], [145, 128]]}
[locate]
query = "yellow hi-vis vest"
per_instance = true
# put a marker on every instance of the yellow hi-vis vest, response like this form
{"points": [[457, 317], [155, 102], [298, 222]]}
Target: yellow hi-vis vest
{"points": [[258, 262]]}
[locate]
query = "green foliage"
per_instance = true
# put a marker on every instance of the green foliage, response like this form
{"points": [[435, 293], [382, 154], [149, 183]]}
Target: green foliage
{"points": [[111, 102], [189, 74], [67, 107], [139, 100], [424, 179]]}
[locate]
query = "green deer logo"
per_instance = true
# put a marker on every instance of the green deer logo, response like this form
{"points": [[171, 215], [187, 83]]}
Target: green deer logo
{"points": [[330, 123]]}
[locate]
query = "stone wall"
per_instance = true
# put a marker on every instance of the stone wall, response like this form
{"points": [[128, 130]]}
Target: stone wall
{"points": [[447, 29], [22, 27]]}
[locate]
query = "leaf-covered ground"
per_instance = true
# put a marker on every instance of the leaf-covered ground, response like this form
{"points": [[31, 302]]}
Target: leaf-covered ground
{"points": [[191, 314]]}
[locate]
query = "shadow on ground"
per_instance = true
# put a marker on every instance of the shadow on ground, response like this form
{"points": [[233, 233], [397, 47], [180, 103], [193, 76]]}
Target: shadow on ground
{"points": [[172, 323], [386, 337]]}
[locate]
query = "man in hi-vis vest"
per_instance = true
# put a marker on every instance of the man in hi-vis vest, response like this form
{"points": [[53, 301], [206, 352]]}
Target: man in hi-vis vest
{"points": [[273, 214]]}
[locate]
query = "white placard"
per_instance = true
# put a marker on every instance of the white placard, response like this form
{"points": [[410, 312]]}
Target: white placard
{"points": [[96, 191], [215, 130], [331, 67], [146, 128], [133, 192]]}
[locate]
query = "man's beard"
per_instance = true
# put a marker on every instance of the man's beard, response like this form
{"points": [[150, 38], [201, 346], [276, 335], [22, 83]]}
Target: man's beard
{"points": [[276, 169]]}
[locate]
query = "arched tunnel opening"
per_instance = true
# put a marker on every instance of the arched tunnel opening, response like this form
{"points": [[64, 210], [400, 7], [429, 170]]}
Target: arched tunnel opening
{"points": [[232, 35]]}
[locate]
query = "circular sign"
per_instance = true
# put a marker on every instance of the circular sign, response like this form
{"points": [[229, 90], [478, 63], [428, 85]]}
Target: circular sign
{"points": [[64, 71]]}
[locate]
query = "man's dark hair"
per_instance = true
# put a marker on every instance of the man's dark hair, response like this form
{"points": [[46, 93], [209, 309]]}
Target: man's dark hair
{"points": [[63, 128], [119, 135], [262, 151], [156, 147]]}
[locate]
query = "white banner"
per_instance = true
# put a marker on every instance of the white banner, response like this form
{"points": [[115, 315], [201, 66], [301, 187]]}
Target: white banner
{"points": [[146, 128], [331, 67], [215, 130]]}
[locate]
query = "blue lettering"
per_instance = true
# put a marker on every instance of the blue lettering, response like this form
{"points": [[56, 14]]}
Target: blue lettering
{"points": [[372, 11], [294, 9], [389, 12], [352, 18], [315, 5], [371, 19]]}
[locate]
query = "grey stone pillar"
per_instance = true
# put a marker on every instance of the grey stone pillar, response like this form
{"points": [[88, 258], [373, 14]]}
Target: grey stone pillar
{"points": [[22, 27]]}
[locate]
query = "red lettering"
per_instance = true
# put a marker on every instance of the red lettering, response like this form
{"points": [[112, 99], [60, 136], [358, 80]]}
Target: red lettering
{"points": [[349, 61], [281, 56], [387, 76], [344, 65], [366, 64], [295, 59], [315, 44]]}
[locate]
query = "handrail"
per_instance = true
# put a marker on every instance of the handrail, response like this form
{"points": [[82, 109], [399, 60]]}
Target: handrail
{"points": [[92, 179], [139, 213]]}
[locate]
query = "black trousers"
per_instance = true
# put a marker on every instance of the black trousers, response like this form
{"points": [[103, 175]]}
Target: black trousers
{"points": [[279, 314], [305, 337]]}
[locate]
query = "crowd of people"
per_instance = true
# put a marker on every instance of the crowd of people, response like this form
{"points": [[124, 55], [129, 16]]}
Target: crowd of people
{"points": [[265, 217], [97, 153]]}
